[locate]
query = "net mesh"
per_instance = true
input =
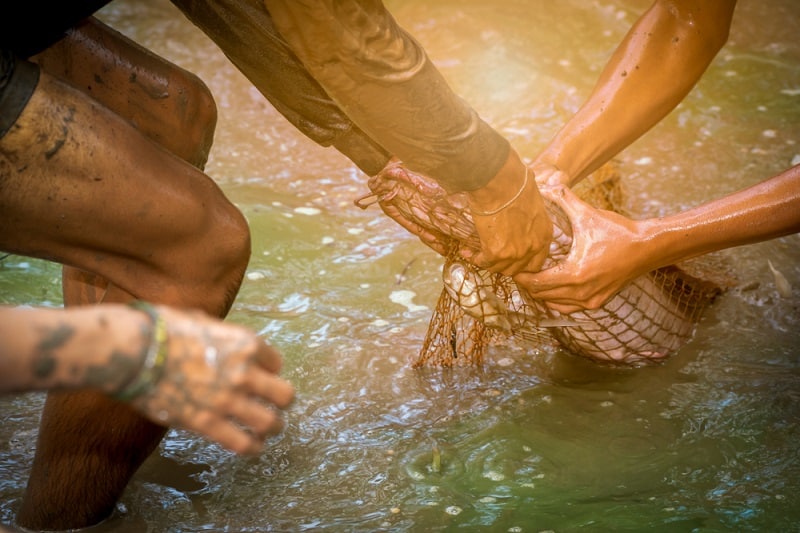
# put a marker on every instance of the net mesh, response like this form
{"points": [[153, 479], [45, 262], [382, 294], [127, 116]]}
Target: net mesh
{"points": [[649, 319]]}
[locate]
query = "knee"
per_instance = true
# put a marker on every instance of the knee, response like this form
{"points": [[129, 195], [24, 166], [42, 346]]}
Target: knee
{"points": [[227, 254], [237, 250], [202, 255]]}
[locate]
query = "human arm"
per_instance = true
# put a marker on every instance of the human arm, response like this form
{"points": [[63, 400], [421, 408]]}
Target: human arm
{"points": [[655, 66], [270, 65], [384, 81], [609, 250], [218, 379]]}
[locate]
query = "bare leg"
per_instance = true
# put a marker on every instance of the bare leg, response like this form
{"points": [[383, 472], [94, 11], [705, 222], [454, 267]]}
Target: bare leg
{"points": [[89, 446], [168, 104], [171, 106]]}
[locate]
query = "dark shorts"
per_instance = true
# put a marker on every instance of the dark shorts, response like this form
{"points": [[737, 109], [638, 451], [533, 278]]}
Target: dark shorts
{"points": [[29, 26], [18, 79], [26, 28]]}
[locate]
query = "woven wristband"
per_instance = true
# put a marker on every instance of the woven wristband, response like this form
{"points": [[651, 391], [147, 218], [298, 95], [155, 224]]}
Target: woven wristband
{"points": [[508, 203], [153, 364]]}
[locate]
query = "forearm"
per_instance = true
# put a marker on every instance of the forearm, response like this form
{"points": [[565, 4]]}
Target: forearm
{"points": [[269, 63], [388, 86], [764, 211], [653, 69], [98, 347]]}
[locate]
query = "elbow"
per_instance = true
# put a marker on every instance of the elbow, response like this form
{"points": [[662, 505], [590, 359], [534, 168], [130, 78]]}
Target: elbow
{"points": [[716, 37], [705, 24]]}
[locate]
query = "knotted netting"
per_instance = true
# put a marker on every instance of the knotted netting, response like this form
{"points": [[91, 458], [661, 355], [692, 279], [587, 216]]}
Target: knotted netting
{"points": [[649, 319]]}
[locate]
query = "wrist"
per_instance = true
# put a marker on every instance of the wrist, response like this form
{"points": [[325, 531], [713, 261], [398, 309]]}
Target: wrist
{"points": [[503, 189], [655, 243], [495, 210], [152, 357]]}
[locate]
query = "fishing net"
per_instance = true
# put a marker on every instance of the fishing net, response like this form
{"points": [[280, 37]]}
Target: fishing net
{"points": [[649, 319]]}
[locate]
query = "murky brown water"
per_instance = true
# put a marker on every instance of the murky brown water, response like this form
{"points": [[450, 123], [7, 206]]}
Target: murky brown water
{"points": [[708, 441]]}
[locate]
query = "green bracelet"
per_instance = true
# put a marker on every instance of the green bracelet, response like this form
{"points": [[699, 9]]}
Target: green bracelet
{"points": [[153, 365]]}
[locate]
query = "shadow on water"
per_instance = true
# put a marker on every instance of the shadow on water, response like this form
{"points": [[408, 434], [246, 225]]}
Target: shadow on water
{"points": [[535, 440]]}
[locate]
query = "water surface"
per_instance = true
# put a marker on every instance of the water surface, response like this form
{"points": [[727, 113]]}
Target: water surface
{"points": [[534, 440]]}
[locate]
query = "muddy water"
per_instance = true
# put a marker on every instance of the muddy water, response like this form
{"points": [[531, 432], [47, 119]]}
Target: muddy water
{"points": [[534, 440]]}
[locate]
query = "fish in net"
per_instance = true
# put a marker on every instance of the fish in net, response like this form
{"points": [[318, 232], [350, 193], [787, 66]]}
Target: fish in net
{"points": [[645, 322]]}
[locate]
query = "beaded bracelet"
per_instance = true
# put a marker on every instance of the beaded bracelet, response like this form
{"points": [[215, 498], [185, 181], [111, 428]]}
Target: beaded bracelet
{"points": [[508, 203], [153, 365]]}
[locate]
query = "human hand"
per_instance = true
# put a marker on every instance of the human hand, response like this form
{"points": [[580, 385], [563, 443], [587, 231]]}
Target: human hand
{"points": [[447, 223], [219, 380], [432, 240], [515, 236], [608, 250], [549, 176], [421, 206]]}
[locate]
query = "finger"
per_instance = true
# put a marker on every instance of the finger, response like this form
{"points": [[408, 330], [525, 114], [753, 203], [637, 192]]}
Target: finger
{"points": [[567, 200], [542, 281], [410, 226], [226, 433], [471, 256], [271, 388], [538, 287], [562, 299], [480, 260], [564, 309], [505, 267], [260, 419], [535, 263], [428, 238], [509, 269], [548, 175], [432, 241], [555, 295], [268, 357], [395, 214], [529, 282]]}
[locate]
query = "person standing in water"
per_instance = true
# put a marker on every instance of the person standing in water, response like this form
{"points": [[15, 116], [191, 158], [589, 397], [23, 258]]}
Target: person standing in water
{"points": [[133, 191], [99, 170]]}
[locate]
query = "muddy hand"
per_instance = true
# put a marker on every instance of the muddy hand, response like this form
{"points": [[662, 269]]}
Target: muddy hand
{"points": [[433, 241], [396, 171], [596, 267], [549, 176], [218, 379], [512, 223]]}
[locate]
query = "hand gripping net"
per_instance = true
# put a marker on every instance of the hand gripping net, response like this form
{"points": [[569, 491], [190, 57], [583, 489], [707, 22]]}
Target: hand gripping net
{"points": [[646, 321]]}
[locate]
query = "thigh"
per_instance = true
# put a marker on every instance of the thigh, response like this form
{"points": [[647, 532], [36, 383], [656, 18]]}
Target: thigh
{"points": [[165, 102], [81, 186], [168, 104]]}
